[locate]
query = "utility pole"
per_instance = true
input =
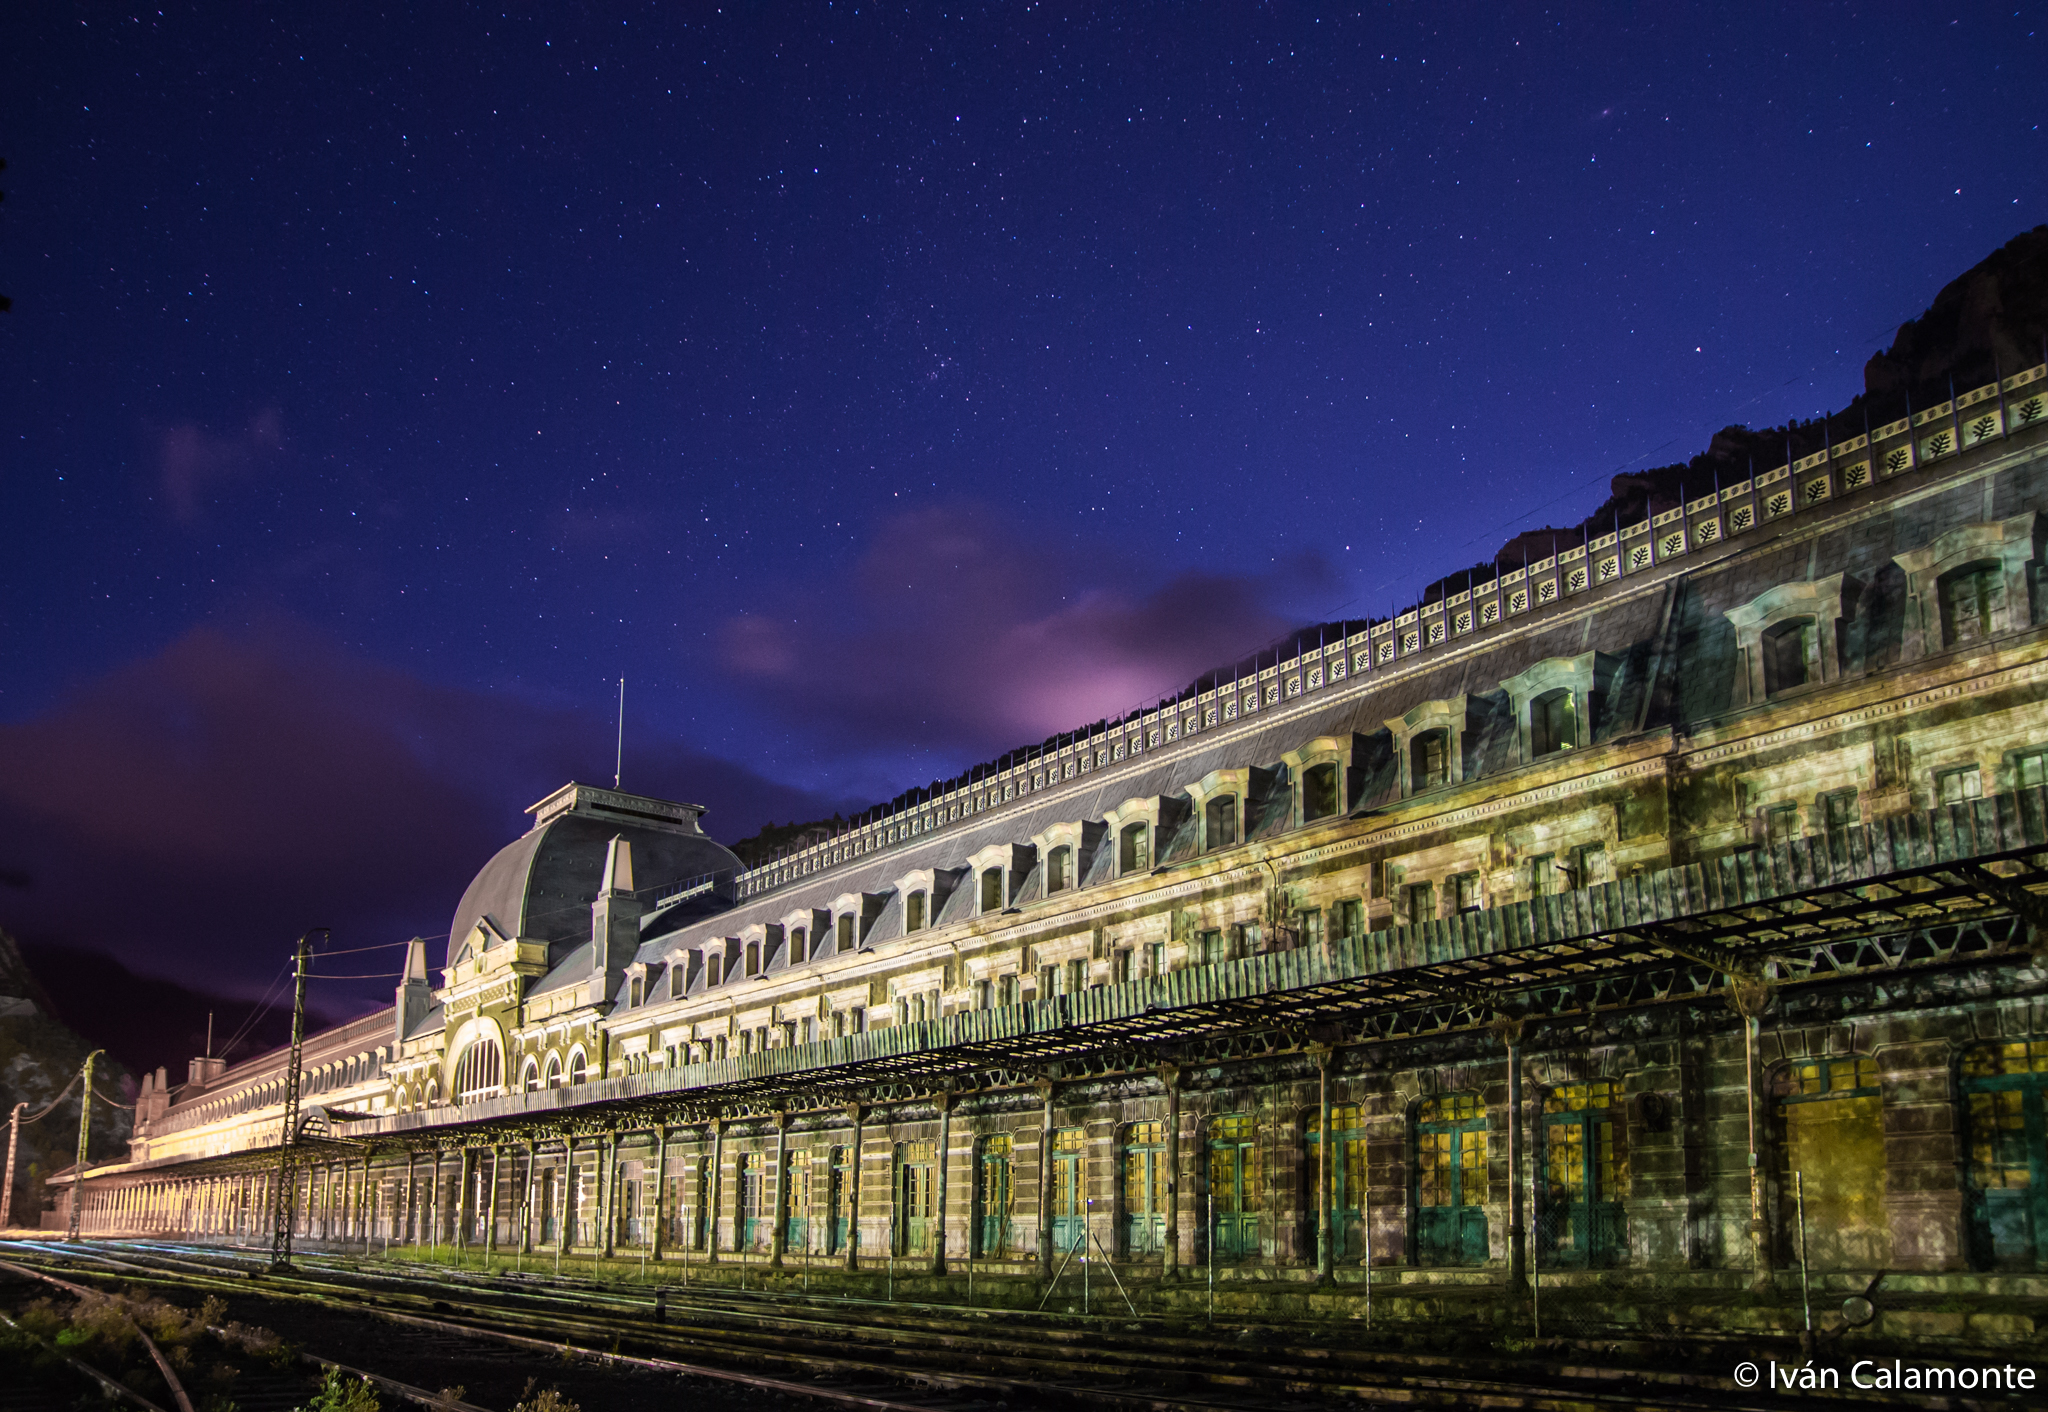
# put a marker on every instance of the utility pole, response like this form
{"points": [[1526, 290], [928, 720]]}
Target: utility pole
{"points": [[7, 1184], [285, 1206], [84, 1133]]}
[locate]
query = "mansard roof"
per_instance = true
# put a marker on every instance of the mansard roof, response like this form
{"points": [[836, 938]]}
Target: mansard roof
{"points": [[542, 883], [1673, 663]]}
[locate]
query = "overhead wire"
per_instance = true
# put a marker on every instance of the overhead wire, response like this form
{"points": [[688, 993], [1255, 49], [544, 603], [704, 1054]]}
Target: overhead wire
{"points": [[59, 1098]]}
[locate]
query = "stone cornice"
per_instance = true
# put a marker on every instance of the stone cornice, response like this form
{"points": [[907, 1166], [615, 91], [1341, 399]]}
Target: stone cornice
{"points": [[2017, 675]]}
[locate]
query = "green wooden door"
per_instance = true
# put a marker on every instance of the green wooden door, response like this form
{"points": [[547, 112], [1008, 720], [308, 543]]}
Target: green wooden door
{"points": [[1144, 1189], [992, 1197], [1347, 1181], [2005, 1093], [1234, 1188], [1450, 1180], [1580, 1214], [753, 1224], [1069, 1202], [916, 1165]]}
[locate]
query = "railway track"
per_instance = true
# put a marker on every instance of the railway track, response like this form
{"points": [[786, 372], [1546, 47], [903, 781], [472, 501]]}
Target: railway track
{"points": [[906, 1356]]}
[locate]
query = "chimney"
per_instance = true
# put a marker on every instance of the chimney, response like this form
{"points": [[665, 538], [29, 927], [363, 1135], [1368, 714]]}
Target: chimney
{"points": [[200, 1074], [614, 922], [415, 997]]}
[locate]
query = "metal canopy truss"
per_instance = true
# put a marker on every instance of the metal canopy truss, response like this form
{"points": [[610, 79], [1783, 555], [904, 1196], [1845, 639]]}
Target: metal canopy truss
{"points": [[1950, 886]]}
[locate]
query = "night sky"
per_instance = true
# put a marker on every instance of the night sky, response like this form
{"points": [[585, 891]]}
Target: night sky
{"points": [[875, 390]]}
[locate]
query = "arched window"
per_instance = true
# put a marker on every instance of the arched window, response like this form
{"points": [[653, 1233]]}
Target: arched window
{"points": [[433, 1094], [1134, 849], [479, 1072], [992, 890], [1553, 723], [578, 1072], [1791, 653], [1220, 822], [1059, 866], [529, 1079], [554, 1071], [712, 962]]}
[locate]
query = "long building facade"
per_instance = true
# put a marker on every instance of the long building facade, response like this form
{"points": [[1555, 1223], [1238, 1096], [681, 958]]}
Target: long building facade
{"points": [[1647, 909]]}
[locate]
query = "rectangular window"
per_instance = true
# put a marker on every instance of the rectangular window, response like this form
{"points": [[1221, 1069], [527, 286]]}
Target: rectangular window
{"points": [[1312, 929], [639, 992], [1838, 811], [1421, 900], [1121, 962], [1543, 877], [981, 995], [1781, 823], [1589, 864], [1077, 975], [1210, 945], [677, 980], [1010, 988], [1245, 939], [1430, 762], [846, 932], [711, 969], [1157, 952], [2030, 769], [1957, 785], [1468, 895], [1350, 917], [796, 945]]}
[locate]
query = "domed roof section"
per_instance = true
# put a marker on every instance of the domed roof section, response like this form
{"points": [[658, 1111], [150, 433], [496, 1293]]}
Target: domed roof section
{"points": [[542, 883]]}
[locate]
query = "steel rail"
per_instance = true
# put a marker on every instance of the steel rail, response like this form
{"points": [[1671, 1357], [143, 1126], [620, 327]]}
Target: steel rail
{"points": [[1377, 1382]]}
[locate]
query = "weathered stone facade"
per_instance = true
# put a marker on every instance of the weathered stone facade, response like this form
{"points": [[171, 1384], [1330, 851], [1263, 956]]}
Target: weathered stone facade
{"points": [[1593, 913]]}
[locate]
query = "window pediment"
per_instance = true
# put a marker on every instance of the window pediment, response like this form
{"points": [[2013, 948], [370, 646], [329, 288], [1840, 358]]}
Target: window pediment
{"points": [[1429, 743], [1787, 637], [1556, 703], [1949, 606]]}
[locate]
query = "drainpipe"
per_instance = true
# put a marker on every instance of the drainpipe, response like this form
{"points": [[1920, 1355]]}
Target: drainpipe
{"points": [[1750, 996], [1045, 1181], [1169, 1075], [526, 1208], [711, 1197], [779, 1239], [1509, 1028], [1321, 1055], [945, 1148], [660, 1189], [858, 1112]]}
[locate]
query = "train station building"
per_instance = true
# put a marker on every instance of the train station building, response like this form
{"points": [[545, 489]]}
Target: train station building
{"points": [[1659, 908]]}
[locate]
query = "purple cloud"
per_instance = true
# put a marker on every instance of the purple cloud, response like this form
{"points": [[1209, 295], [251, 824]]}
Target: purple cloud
{"points": [[959, 628]]}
